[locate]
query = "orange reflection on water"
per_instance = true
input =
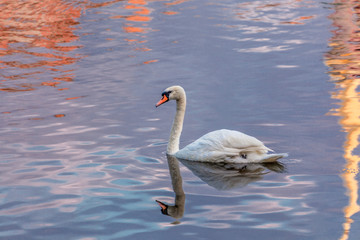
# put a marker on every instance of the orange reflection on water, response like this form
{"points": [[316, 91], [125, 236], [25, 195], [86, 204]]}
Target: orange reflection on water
{"points": [[141, 14], [37, 40], [36, 37], [137, 23], [298, 20], [176, 2], [344, 63], [170, 13]]}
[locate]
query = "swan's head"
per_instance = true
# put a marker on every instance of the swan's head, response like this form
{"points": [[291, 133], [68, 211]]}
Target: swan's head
{"points": [[171, 93], [172, 211], [164, 207]]}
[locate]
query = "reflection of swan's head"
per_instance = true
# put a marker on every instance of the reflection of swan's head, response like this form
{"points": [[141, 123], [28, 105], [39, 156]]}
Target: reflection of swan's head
{"points": [[176, 211], [172, 93], [164, 207]]}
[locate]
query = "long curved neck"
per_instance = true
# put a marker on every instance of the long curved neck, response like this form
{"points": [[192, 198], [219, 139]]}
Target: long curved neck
{"points": [[174, 141]]}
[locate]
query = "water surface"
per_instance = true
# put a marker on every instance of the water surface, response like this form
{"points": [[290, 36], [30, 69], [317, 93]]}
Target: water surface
{"points": [[83, 148]]}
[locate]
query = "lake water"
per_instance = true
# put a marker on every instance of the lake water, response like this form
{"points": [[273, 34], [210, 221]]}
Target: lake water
{"points": [[82, 151]]}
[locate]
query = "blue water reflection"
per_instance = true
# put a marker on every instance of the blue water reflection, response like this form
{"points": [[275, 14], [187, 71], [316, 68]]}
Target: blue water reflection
{"points": [[83, 150]]}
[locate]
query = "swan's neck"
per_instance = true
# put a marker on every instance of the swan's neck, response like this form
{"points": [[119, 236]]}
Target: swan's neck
{"points": [[174, 141]]}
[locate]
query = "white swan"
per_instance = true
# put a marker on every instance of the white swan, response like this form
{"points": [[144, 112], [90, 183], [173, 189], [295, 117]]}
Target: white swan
{"points": [[217, 146]]}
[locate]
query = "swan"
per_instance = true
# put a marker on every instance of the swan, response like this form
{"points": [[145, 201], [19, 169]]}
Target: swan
{"points": [[217, 146]]}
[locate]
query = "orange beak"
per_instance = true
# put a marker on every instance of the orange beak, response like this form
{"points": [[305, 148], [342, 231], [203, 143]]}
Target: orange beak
{"points": [[162, 205], [164, 99]]}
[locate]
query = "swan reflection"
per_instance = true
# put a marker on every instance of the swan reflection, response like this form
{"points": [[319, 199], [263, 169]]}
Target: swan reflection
{"points": [[176, 211], [221, 176], [227, 176]]}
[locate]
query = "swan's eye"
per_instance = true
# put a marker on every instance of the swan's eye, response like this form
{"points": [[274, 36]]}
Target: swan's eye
{"points": [[166, 94]]}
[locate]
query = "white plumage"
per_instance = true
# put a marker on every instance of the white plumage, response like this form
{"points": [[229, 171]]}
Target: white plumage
{"points": [[217, 146], [227, 145]]}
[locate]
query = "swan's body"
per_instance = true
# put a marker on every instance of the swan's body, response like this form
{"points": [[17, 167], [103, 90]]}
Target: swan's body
{"points": [[227, 145], [217, 146]]}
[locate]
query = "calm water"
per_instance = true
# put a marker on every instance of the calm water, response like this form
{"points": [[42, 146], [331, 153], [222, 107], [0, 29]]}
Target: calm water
{"points": [[82, 151]]}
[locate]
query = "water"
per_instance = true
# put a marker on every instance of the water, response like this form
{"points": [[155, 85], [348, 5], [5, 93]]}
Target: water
{"points": [[83, 147]]}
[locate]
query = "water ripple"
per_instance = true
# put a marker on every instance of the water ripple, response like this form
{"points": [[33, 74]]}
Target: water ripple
{"points": [[71, 130], [83, 150]]}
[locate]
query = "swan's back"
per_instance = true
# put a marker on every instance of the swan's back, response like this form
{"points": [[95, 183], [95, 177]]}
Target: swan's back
{"points": [[226, 145]]}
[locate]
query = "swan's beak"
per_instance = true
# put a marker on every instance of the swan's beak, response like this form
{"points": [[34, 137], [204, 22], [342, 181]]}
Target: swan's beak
{"points": [[163, 206], [164, 99]]}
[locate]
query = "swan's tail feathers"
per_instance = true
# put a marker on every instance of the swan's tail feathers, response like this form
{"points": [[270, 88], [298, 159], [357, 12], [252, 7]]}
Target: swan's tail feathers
{"points": [[273, 157], [269, 149]]}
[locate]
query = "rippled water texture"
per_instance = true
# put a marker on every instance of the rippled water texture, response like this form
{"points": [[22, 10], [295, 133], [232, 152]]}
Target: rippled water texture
{"points": [[82, 151]]}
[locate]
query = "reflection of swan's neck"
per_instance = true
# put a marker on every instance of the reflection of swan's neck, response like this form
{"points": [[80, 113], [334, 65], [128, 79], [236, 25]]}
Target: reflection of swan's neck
{"points": [[176, 211], [174, 141]]}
